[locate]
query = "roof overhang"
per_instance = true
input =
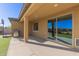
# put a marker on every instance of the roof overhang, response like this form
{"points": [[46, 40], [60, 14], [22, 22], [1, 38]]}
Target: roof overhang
{"points": [[41, 10], [13, 20], [24, 9], [48, 10], [22, 12]]}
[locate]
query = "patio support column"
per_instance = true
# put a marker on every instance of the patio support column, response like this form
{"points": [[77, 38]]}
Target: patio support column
{"points": [[75, 28], [25, 28]]}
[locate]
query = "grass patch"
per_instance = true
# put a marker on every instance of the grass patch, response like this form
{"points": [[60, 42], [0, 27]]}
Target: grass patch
{"points": [[4, 43]]}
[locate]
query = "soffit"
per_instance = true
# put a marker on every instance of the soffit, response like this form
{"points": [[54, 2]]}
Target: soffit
{"points": [[41, 10]]}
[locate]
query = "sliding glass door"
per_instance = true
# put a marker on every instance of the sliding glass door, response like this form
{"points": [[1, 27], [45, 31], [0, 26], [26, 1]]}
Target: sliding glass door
{"points": [[61, 29], [64, 29], [52, 28]]}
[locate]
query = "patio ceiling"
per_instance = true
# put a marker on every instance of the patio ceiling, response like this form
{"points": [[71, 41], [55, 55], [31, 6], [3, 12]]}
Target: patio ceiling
{"points": [[43, 10]]}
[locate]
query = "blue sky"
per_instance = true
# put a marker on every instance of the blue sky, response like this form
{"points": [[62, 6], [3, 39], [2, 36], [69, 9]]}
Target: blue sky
{"points": [[9, 10], [13, 10], [62, 24]]}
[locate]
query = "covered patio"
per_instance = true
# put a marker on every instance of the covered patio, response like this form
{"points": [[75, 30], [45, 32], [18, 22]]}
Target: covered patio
{"points": [[39, 47], [34, 19]]}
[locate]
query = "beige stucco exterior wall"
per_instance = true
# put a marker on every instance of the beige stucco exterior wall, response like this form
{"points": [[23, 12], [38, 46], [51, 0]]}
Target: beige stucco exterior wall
{"points": [[42, 28], [21, 27], [14, 25], [18, 26], [30, 28]]}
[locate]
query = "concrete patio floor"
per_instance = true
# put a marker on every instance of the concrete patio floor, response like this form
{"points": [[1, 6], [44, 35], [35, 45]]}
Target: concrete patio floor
{"points": [[39, 47]]}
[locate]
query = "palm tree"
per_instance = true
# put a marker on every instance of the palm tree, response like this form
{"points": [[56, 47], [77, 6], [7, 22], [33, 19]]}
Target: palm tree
{"points": [[2, 22]]}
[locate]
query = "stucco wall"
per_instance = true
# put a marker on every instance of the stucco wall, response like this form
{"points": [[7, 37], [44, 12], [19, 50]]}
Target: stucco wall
{"points": [[42, 29], [30, 28], [18, 26], [14, 25], [21, 28]]}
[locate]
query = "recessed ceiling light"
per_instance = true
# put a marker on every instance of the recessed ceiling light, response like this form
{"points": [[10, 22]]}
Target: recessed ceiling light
{"points": [[36, 17], [55, 5]]}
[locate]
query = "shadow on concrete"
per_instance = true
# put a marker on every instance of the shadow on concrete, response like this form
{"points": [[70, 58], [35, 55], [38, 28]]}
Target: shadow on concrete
{"points": [[40, 40], [20, 39], [41, 43], [56, 47]]}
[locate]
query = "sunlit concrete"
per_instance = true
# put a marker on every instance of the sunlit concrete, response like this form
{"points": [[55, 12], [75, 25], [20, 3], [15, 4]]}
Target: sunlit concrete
{"points": [[39, 47]]}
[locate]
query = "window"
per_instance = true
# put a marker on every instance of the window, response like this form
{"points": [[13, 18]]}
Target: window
{"points": [[35, 27]]}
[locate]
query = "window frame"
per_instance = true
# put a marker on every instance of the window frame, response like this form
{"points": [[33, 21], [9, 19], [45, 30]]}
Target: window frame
{"points": [[33, 27]]}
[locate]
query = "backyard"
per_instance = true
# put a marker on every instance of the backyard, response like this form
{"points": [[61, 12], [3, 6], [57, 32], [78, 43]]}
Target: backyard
{"points": [[4, 43]]}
